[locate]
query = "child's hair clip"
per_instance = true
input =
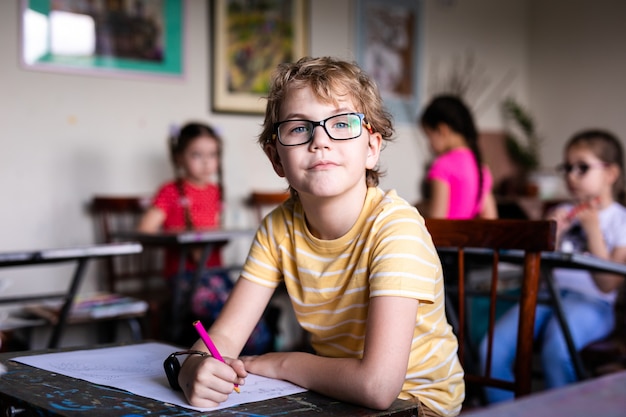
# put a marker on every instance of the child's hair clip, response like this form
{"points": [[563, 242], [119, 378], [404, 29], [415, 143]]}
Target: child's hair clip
{"points": [[174, 132]]}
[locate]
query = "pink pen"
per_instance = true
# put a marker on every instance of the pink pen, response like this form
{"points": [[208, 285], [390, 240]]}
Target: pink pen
{"points": [[209, 344]]}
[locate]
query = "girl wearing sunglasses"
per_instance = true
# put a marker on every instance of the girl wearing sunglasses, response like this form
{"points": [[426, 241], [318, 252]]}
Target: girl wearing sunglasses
{"points": [[595, 223]]}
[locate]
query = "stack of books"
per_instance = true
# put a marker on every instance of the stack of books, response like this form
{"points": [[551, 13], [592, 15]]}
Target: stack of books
{"points": [[91, 306]]}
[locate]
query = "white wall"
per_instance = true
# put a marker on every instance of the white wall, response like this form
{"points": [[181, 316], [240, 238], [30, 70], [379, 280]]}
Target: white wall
{"points": [[66, 137], [577, 67]]}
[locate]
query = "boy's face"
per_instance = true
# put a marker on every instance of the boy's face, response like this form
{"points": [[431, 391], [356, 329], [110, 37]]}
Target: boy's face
{"points": [[323, 167]]}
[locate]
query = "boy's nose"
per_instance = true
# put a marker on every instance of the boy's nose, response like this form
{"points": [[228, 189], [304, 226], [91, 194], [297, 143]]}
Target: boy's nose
{"points": [[320, 138]]}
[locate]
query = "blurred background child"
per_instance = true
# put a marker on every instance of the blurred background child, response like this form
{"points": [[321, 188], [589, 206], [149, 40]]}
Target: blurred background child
{"points": [[193, 200], [594, 223], [457, 184]]}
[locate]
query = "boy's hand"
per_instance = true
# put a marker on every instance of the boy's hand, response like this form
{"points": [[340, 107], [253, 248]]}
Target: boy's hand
{"points": [[207, 382]]}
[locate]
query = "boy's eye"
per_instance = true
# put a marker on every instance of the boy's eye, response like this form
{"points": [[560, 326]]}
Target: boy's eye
{"points": [[297, 128], [300, 129]]}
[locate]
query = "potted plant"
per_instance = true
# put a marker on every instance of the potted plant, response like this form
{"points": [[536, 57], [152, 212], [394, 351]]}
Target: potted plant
{"points": [[522, 146]]}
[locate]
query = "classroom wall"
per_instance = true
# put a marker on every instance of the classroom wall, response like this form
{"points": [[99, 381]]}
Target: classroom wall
{"points": [[577, 67], [67, 137]]}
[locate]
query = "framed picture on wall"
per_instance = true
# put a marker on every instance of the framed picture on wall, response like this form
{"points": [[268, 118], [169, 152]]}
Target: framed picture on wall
{"points": [[388, 49], [249, 40], [103, 37]]}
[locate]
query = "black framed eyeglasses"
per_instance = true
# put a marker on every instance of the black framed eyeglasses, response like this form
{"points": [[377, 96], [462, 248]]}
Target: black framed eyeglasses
{"points": [[343, 126], [578, 168]]}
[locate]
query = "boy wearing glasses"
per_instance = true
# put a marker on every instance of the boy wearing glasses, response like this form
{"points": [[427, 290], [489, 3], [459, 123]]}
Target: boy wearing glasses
{"points": [[361, 270]]}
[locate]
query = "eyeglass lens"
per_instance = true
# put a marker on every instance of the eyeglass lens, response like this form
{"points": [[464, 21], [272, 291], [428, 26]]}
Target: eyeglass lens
{"points": [[339, 127]]}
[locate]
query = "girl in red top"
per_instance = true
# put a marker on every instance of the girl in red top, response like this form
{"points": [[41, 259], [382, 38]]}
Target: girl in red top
{"points": [[192, 201]]}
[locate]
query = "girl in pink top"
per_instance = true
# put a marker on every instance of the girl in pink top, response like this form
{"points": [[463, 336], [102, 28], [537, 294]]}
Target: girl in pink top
{"points": [[458, 185]]}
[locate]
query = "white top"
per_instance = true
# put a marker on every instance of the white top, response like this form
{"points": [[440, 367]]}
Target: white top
{"points": [[613, 226]]}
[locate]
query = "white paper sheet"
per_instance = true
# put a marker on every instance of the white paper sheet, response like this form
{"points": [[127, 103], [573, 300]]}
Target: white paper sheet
{"points": [[139, 369]]}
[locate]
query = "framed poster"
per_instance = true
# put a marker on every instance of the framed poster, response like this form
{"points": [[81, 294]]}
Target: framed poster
{"points": [[388, 50], [103, 37], [250, 39]]}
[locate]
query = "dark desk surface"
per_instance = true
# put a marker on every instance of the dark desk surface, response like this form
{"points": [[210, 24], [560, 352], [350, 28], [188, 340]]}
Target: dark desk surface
{"points": [[23, 258], [572, 260], [79, 255], [49, 394], [196, 237], [595, 397], [553, 259]]}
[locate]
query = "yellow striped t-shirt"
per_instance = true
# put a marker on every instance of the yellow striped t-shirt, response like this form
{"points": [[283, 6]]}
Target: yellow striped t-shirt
{"points": [[388, 252]]}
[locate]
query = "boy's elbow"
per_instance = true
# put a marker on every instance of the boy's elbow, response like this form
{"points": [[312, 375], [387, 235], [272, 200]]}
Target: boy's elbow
{"points": [[380, 394]]}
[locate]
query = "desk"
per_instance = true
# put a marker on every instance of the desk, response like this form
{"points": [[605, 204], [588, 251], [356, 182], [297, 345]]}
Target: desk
{"points": [[80, 255], [551, 260], [208, 240], [49, 394], [602, 396]]}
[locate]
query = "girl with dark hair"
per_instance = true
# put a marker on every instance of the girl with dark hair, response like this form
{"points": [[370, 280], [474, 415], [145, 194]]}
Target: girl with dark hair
{"points": [[191, 201], [594, 223], [457, 184]]}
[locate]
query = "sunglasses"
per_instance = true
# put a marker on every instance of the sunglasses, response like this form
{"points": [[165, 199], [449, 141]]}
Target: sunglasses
{"points": [[579, 168]]}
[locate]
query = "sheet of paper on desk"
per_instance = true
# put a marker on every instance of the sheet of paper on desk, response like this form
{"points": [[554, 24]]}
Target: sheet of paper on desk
{"points": [[139, 369]]}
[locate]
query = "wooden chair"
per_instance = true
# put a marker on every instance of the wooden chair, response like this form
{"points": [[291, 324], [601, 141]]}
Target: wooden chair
{"points": [[530, 236], [262, 202], [141, 275]]}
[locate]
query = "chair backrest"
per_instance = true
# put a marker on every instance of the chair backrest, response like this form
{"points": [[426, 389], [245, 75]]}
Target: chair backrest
{"points": [[262, 202], [530, 236], [130, 274]]}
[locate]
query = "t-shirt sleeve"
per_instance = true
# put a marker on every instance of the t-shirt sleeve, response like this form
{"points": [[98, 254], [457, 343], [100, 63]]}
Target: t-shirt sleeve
{"points": [[262, 265], [404, 260]]}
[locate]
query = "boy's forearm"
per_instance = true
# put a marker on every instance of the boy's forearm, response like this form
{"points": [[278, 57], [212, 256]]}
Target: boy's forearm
{"points": [[346, 379]]}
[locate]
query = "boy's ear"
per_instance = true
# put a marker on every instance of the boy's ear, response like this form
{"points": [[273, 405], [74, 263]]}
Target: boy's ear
{"points": [[373, 150], [272, 153]]}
